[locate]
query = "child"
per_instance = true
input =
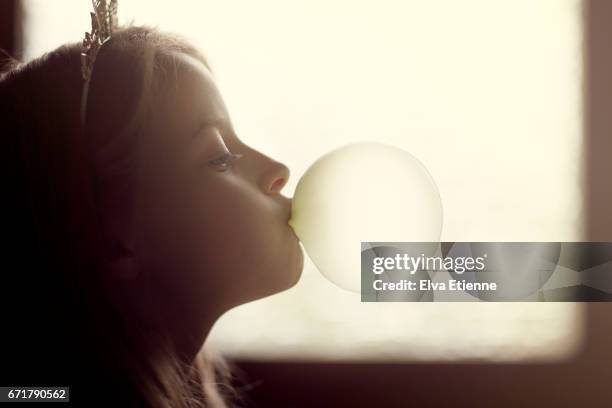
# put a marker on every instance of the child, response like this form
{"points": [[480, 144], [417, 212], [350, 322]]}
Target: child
{"points": [[134, 227]]}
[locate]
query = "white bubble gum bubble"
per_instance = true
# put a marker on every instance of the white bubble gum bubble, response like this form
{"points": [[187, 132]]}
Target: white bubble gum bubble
{"points": [[362, 192]]}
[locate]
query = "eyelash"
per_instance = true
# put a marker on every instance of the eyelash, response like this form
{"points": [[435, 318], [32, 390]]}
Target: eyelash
{"points": [[224, 161]]}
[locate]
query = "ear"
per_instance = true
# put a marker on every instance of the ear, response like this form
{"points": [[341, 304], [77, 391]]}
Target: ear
{"points": [[122, 261]]}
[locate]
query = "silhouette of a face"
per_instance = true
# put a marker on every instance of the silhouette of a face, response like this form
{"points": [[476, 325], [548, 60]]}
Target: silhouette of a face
{"points": [[213, 228]]}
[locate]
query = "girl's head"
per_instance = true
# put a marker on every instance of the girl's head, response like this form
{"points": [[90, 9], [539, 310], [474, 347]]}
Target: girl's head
{"points": [[151, 218]]}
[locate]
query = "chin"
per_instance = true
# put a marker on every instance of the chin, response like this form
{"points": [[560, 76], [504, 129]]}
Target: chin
{"points": [[282, 276], [297, 265], [289, 275]]}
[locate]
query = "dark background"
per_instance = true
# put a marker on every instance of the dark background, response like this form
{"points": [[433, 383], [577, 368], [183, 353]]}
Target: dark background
{"points": [[584, 380]]}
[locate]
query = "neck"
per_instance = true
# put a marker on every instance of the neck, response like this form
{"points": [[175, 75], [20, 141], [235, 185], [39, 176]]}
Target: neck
{"points": [[189, 331]]}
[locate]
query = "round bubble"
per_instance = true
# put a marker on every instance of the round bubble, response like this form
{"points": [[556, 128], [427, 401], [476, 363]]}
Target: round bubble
{"points": [[365, 192]]}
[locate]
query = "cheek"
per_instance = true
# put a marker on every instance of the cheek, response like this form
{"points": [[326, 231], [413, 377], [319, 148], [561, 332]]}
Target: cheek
{"points": [[219, 239], [235, 224], [244, 244]]}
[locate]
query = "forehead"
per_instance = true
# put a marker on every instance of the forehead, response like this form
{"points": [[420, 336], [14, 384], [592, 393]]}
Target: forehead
{"points": [[192, 97]]}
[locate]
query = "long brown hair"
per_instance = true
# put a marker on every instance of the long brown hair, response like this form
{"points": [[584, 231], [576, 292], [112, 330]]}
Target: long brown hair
{"points": [[65, 327]]}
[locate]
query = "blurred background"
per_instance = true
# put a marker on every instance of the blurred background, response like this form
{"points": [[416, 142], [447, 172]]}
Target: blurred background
{"points": [[505, 102]]}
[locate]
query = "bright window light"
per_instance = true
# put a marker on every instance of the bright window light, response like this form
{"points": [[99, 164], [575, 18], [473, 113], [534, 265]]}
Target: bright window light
{"points": [[487, 94]]}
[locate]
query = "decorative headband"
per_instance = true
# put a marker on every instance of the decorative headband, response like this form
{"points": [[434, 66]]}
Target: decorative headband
{"points": [[103, 24]]}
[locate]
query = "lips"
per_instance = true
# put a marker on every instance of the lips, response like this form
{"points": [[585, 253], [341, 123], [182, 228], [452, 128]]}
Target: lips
{"points": [[288, 203], [286, 208]]}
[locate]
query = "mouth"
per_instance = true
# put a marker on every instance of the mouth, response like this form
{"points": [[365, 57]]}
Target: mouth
{"points": [[293, 231], [290, 225], [289, 219]]}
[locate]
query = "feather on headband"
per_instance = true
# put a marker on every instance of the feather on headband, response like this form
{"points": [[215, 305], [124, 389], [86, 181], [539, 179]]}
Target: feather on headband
{"points": [[103, 24]]}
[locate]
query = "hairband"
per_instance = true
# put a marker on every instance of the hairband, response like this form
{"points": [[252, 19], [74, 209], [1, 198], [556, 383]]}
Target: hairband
{"points": [[103, 24]]}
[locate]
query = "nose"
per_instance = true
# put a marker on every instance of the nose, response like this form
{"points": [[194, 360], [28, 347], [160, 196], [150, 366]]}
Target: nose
{"points": [[275, 178]]}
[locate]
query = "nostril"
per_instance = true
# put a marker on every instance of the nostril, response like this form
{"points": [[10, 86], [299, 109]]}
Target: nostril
{"points": [[275, 177], [278, 184]]}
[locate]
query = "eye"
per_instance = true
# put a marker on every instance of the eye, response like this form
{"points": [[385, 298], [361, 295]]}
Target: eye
{"points": [[224, 161]]}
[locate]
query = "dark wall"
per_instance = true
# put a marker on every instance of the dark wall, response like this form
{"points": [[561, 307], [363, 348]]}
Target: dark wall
{"points": [[598, 118]]}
